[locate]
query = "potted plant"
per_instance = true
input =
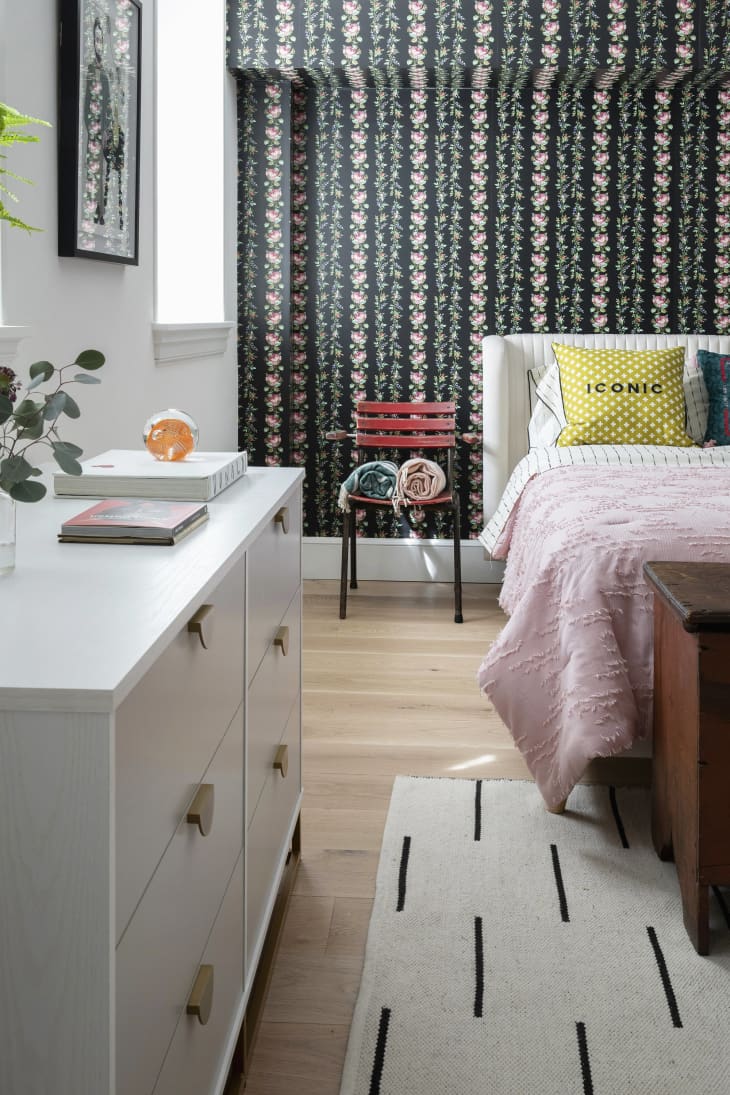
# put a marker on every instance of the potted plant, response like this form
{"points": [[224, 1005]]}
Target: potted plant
{"points": [[12, 127]]}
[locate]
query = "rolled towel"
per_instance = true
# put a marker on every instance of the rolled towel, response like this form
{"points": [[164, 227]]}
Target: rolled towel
{"points": [[419, 480], [376, 479]]}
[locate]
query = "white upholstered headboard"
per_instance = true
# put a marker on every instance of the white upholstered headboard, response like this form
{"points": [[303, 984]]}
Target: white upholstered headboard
{"points": [[506, 410]]}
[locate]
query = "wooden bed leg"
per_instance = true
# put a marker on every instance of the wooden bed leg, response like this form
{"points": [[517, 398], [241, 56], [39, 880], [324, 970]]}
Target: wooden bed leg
{"points": [[559, 808]]}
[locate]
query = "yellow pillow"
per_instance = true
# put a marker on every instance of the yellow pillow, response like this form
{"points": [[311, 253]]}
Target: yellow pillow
{"points": [[622, 397]]}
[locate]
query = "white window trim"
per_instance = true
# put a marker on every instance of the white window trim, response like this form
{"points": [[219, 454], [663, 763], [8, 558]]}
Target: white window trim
{"points": [[10, 340], [185, 341]]}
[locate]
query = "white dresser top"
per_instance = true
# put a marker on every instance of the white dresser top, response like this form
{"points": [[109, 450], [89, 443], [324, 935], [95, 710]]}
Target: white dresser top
{"points": [[62, 598]]}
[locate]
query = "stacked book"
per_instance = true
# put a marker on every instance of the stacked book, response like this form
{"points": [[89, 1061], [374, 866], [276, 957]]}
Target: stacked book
{"points": [[134, 521], [132, 473]]}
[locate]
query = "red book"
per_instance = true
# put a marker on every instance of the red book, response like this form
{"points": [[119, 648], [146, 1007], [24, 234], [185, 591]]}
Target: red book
{"points": [[134, 520]]}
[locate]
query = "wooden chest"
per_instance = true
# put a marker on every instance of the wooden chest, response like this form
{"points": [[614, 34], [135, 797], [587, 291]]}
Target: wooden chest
{"points": [[691, 774]]}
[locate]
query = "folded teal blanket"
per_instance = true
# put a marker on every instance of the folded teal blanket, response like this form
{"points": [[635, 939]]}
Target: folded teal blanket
{"points": [[376, 479]]}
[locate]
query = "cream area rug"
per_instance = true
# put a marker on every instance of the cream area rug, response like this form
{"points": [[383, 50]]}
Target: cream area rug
{"points": [[514, 952]]}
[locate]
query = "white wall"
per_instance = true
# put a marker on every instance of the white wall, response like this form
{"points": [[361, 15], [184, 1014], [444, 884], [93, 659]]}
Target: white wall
{"points": [[74, 303]]}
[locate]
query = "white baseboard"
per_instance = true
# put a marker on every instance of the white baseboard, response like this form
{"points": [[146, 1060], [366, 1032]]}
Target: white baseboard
{"points": [[400, 560]]}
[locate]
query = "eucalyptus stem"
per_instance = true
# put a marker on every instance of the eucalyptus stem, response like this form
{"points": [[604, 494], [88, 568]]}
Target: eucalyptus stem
{"points": [[28, 420]]}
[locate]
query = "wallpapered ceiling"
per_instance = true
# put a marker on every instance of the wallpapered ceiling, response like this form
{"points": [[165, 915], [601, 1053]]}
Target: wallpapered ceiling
{"points": [[384, 230]]}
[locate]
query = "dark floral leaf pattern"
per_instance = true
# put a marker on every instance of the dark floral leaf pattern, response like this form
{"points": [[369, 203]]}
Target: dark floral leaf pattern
{"points": [[415, 174]]}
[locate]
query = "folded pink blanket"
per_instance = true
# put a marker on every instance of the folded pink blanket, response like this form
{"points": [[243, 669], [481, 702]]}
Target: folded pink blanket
{"points": [[419, 480]]}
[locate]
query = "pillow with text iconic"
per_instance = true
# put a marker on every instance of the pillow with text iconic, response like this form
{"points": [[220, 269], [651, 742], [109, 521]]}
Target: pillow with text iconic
{"points": [[548, 414], [622, 397], [716, 374]]}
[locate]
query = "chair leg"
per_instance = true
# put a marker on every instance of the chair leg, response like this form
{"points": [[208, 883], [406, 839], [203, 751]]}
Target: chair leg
{"points": [[343, 571], [458, 618], [353, 550]]}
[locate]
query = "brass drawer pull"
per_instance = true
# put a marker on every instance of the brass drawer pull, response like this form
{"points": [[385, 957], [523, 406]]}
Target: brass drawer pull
{"points": [[281, 760], [282, 639], [195, 623], [200, 1000], [201, 808], [282, 518]]}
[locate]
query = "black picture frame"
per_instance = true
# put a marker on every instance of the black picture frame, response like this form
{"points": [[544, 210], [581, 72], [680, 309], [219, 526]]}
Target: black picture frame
{"points": [[100, 51]]}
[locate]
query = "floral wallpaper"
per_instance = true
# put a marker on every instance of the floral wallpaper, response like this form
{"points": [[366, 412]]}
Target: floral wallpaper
{"points": [[512, 37], [402, 195]]}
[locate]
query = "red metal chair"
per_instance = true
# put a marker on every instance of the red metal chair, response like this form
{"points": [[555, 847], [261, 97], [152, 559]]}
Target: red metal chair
{"points": [[421, 428]]}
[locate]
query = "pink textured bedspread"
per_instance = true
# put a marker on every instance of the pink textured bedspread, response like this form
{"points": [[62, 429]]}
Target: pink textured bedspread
{"points": [[571, 672]]}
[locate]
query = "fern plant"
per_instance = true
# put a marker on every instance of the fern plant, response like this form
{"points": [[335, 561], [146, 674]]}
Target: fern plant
{"points": [[12, 126]]}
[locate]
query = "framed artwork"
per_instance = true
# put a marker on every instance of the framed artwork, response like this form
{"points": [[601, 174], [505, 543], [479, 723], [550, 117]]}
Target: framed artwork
{"points": [[98, 128]]}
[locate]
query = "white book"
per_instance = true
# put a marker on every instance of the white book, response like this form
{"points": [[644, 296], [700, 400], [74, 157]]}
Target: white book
{"points": [[135, 473]]}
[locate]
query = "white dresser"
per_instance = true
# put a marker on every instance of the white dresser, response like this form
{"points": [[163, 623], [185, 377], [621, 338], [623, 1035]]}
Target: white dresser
{"points": [[150, 788]]}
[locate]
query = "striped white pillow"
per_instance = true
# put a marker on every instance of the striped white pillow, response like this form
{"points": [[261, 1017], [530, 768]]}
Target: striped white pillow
{"points": [[696, 400], [542, 429]]}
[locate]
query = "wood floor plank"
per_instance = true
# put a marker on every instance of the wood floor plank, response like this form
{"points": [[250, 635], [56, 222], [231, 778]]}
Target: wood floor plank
{"points": [[407, 611], [336, 760], [424, 643], [389, 691], [477, 595], [282, 1084], [424, 676], [339, 872], [308, 924], [446, 717], [330, 828], [307, 988], [297, 1052], [359, 790], [349, 927]]}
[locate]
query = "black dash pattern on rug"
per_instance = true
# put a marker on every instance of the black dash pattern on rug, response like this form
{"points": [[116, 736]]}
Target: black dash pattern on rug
{"points": [[617, 817], [559, 884], [664, 974], [585, 1064], [620, 987], [478, 810], [402, 873], [478, 968], [378, 1061]]}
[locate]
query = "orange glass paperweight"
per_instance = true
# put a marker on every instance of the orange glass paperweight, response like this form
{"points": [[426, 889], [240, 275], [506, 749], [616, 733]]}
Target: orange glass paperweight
{"points": [[170, 435]]}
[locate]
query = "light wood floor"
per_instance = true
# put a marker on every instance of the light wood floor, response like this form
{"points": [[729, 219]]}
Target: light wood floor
{"points": [[389, 691]]}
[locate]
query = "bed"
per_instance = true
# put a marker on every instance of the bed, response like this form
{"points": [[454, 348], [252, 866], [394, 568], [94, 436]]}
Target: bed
{"points": [[571, 672]]}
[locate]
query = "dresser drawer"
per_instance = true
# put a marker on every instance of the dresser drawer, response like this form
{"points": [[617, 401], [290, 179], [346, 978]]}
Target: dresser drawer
{"points": [[274, 689], [194, 1057], [160, 950], [268, 832], [273, 575], [167, 730]]}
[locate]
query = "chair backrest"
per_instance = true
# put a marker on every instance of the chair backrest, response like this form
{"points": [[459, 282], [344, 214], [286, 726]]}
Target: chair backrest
{"points": [[413, 426], [405, 425]]}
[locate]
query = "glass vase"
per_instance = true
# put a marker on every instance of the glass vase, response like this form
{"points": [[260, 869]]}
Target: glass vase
{"points": [[170, 435], [7, 533]]}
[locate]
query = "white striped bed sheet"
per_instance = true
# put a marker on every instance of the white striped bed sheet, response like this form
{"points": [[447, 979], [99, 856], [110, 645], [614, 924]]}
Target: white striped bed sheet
{"points": [[541, 460]]}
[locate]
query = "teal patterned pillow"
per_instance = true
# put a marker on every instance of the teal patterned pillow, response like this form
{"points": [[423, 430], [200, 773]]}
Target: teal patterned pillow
{"points": [[716, 373]]}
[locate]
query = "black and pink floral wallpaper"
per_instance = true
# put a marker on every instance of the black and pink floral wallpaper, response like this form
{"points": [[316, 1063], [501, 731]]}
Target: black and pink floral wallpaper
{"points": [[415, 174]]}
